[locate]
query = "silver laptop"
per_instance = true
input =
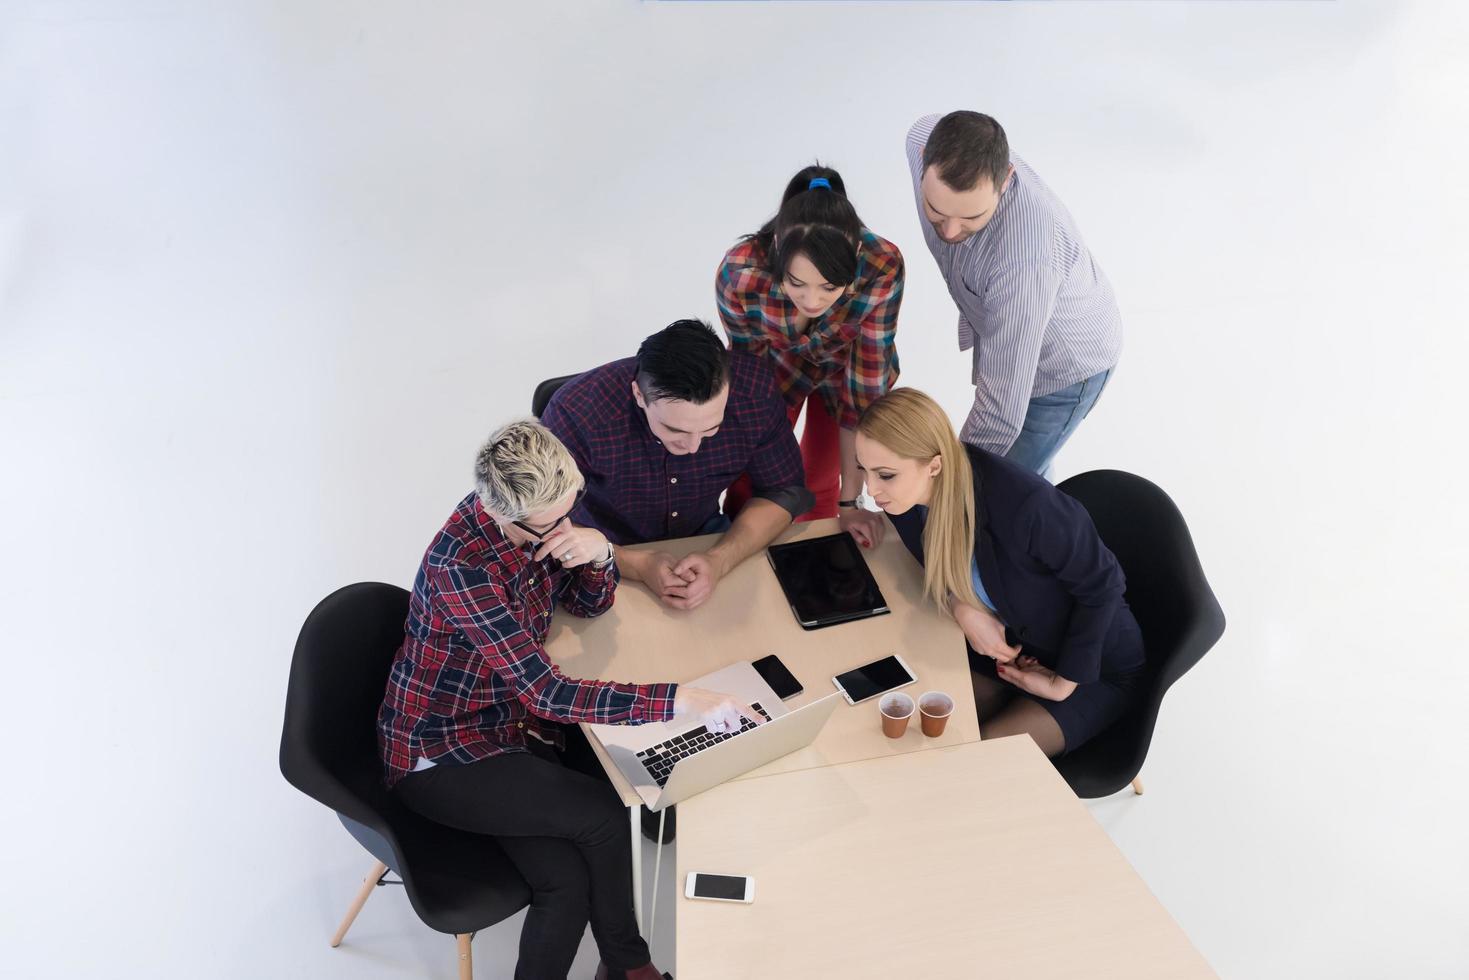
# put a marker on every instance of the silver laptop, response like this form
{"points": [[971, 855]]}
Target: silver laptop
{"points": [[668, 762]]}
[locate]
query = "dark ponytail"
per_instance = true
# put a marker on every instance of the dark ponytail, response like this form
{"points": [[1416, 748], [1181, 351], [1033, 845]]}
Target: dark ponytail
{"points": [[816, 221]]}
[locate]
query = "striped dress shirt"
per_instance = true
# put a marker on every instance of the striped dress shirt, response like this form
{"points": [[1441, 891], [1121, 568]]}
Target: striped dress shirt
{"points": [[1033, 304]]}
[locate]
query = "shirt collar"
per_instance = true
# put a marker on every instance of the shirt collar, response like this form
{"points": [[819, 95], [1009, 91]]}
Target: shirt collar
{"points": [[501, 548], [641, 424], [1006, 193]]}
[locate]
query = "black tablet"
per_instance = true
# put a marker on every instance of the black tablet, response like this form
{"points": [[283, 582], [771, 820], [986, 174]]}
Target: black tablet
{"points": [[826, 580]]}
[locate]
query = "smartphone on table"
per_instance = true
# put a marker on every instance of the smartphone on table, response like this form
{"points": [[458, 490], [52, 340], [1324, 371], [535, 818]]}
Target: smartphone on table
{"points": [[868, 681], [778, 676], [720, 888]]}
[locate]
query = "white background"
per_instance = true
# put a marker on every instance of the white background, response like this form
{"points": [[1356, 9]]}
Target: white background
{"points": [[269, 272]]}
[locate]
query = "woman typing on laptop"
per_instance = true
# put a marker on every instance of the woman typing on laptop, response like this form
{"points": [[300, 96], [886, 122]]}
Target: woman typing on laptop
{"points": [[1055, 652], [471, 726]]}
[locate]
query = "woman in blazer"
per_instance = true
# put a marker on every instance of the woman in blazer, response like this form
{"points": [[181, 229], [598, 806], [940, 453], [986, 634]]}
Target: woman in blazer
{"points": [[1054, 649]]}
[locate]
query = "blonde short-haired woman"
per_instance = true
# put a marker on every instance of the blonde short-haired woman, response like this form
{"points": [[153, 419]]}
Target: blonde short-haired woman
{"points": [[475, 729]]}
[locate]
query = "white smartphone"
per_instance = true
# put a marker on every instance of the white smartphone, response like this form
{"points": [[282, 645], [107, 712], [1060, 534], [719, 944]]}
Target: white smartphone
{"points": [[720, 888], [870, 680]]}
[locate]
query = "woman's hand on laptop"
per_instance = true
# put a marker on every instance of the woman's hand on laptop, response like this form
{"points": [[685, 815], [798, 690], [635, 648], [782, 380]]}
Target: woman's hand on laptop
{"points": [[718, 712]]}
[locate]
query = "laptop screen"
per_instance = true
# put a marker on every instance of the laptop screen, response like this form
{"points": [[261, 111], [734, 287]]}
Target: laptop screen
{"points": [[826, 580]]}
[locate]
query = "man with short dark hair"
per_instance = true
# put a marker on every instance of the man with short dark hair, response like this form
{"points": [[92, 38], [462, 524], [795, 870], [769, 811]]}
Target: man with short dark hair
{"points": [[1033, 304], [661, 435]]}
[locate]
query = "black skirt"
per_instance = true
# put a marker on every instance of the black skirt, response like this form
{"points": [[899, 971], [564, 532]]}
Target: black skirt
{"points": [[1092, 707]]}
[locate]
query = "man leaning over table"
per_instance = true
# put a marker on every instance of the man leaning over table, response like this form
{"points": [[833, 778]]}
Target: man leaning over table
{"points": [[1033, 302], [660, 436]]}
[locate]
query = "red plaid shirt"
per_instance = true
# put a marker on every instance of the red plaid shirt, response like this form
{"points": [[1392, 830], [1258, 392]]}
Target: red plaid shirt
{"points": [[848, 354], [472, 678]]}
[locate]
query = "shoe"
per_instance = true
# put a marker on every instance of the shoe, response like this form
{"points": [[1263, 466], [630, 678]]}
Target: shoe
{"points": [[646, 972], [650, 825]]}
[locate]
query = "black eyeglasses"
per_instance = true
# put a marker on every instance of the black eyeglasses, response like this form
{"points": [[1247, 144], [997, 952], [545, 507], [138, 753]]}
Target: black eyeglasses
{"points": [[539, 533]]}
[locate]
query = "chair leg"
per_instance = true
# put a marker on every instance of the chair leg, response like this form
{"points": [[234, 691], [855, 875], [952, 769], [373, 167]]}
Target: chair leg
{"points": [[368, 884], [466, 956], [1137, 786], [635, 815]]}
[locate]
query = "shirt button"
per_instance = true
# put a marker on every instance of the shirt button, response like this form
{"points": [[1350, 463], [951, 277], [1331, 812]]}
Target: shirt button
{"points": [[674, 514], [673, 479], [532, 581], [520, 724]]}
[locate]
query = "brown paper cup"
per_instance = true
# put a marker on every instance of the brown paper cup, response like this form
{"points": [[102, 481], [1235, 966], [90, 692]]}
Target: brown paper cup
{"points": [[934, 708], [896, 710]]}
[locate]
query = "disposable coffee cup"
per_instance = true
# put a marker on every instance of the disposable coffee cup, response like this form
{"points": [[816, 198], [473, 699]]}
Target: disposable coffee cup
{"points": [[934, 708], [896, 709]]}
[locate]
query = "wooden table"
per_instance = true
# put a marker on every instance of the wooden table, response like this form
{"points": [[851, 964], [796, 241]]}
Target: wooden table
{"points": [[979, 862], [641, 640]]}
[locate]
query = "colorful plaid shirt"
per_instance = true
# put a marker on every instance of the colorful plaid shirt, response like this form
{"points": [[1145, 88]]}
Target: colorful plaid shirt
{"points": [[472, 678], [847, 354], [637, 490]]}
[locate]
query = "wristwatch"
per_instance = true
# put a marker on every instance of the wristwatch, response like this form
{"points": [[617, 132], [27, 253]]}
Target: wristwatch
{"points": [[604, 562], [847, 503]]}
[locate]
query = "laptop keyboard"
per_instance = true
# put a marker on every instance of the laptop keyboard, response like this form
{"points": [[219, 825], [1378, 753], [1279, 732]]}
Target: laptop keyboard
{"points": [[661, 758]]}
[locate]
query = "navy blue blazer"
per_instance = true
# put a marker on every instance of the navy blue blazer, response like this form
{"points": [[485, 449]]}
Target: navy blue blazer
{"points": [[1052, 580]]}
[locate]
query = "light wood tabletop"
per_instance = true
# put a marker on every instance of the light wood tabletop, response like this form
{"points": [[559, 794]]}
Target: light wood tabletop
{"points": [[747, 617], [974, 861]]}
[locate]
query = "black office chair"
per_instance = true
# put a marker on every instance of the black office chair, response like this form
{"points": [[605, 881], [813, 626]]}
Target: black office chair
{"points": [[457, 882], [545, 390], [1179, 616]]}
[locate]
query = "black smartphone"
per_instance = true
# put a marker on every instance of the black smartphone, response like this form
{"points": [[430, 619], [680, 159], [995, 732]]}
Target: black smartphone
{"points": [[778, 676]]}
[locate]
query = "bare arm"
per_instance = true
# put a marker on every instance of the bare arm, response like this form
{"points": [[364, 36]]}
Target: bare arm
{"points": [[867, 527], [759, 523], [1028, 674], [654, 569]]}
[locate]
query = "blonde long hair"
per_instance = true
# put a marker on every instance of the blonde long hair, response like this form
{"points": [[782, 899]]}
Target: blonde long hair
{"points": [[912, 425]]}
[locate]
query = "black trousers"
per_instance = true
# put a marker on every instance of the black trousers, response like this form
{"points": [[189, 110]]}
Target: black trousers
{"points": [[567, 833]]}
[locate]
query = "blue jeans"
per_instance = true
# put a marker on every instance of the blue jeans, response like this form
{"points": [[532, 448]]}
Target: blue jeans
{"points": [[1051, 419]]}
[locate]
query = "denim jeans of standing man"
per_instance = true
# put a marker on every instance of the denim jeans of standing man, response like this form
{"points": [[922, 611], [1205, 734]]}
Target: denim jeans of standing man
{"points": [[1050, 420]]}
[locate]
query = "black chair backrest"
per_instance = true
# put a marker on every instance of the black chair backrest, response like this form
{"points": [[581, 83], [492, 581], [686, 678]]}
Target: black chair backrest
{"points": [[1166, 587], [545, 390], [338, 674]]}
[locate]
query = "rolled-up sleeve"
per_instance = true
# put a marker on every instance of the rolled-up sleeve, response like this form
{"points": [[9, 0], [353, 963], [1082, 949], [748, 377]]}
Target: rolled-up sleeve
{"points": [[775, 469], [588, 590], [476, 605]]}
